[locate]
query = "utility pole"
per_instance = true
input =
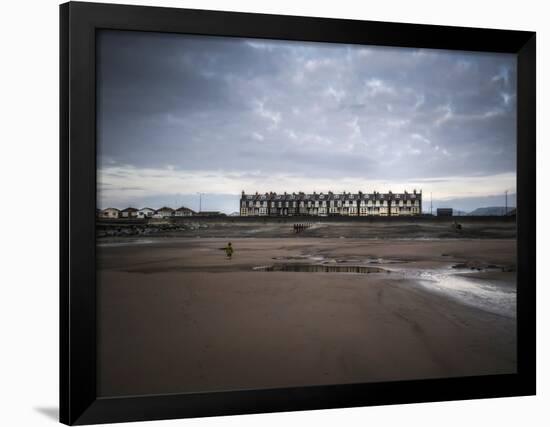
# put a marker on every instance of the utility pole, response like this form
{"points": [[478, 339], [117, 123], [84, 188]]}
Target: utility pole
{"points": [[506, 202], [200, 202], [431, 204]]}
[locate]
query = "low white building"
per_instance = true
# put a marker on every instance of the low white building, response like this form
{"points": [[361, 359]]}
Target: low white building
{"points": [[183, 211], [129, 213], [145, 213], [164, 212], [109, 213]]}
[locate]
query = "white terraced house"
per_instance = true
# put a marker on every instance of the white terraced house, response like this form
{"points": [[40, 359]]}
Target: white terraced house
{"points": [[332, 204]]}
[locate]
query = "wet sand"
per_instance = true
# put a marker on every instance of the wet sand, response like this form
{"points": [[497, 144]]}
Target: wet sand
{"points": [[176, 316]]}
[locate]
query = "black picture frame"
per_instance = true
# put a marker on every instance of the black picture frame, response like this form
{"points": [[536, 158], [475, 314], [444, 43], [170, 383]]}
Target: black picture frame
{"points": [[79, 22]]}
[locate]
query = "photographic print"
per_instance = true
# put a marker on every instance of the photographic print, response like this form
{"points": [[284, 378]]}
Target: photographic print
{"points": [[283, 213]]}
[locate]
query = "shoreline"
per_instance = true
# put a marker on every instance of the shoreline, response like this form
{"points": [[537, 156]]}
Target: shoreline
{"points": [[380, 228], [159, 239]]}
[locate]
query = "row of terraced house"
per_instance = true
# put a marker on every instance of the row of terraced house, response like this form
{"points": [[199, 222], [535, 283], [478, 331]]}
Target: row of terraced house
{"points": [[332, 204]]}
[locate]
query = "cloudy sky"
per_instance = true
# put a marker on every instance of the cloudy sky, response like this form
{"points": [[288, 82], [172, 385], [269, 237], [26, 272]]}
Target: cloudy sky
{"points": [[180, 115]]}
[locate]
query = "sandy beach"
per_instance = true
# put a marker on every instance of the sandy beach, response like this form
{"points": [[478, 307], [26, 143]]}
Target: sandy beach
{"points": [[176, 316]]}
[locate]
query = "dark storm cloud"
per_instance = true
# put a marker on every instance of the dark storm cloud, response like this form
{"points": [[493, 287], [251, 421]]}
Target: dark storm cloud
{"points": [[195, 103]]}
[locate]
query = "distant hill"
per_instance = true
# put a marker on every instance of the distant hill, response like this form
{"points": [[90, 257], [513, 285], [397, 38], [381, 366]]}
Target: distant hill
{"points": [[491, 211]]}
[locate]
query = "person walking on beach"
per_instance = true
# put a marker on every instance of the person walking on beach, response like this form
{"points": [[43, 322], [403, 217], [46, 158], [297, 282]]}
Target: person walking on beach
{"points": [[228, 250]]}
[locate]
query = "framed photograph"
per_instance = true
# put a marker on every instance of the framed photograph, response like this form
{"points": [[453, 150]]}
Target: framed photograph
{"points": [[267, 213]]}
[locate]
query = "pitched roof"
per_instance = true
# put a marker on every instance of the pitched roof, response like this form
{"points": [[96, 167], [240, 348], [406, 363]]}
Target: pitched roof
{"points": [[332, 196]]}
